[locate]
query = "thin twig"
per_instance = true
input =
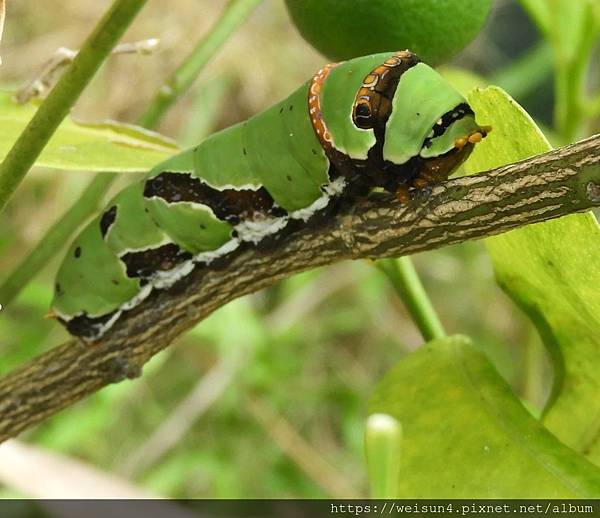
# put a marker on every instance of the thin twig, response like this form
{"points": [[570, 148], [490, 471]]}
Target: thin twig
{"points": [[548, 186], [39, 86]]}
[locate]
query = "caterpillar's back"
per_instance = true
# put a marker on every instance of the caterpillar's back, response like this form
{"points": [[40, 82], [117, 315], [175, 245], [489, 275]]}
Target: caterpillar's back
{"points": [[381, 120]]}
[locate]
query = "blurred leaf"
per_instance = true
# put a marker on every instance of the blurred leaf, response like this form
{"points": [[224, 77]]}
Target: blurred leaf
{"points": [[551, 271], [108, 146], [566, 23], [465, 434]]}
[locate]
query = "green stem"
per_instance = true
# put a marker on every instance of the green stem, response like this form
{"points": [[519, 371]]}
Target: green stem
{"points": [[235, 13], [570, 77], [569, 114], [405, 280], [90, 199], [56, 107]]}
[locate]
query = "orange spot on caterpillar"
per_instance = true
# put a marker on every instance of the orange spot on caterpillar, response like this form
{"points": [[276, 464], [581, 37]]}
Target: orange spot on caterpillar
{"points": [[459, 143], [370, 81], [475, 137], [314, 104]]}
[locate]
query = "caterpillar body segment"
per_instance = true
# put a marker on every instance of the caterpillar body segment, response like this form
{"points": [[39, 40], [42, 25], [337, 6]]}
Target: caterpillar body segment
{"points": [[386, 120]]}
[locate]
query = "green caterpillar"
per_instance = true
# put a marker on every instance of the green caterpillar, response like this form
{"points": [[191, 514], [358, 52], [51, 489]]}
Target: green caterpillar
{"points": [[376, 121]]}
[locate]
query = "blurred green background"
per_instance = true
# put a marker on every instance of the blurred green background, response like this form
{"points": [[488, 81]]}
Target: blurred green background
{"points": [[267, 397]]}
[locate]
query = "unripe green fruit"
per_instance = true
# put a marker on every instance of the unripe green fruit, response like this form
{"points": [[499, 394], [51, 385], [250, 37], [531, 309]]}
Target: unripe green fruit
{"points": [[435, 30]]}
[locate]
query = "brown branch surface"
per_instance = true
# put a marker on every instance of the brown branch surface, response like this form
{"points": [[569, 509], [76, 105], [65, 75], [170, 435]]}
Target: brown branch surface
{"points": [[561, 182]]}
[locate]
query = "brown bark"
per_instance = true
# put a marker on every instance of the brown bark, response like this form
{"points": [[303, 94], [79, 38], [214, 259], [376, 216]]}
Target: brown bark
{"points": [[547, 186]]}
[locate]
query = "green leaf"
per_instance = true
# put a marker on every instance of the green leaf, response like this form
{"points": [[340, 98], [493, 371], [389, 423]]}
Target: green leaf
{"points": [[465, 435], [108, 146], [551, 270]]}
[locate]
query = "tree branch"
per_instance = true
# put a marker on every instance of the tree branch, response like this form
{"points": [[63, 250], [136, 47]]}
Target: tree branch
{"points": [[561, 182]]}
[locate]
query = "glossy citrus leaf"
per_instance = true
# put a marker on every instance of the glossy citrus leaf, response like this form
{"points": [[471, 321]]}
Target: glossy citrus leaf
{"points": [[551, 270], [465, 435], [108, 146]]}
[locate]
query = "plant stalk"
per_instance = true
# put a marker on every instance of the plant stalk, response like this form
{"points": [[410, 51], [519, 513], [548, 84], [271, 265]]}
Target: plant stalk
{"points": [[405, 280]]}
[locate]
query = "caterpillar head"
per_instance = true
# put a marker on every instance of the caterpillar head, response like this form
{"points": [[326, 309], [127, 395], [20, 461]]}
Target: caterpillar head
{"points": [[422, 124]]}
